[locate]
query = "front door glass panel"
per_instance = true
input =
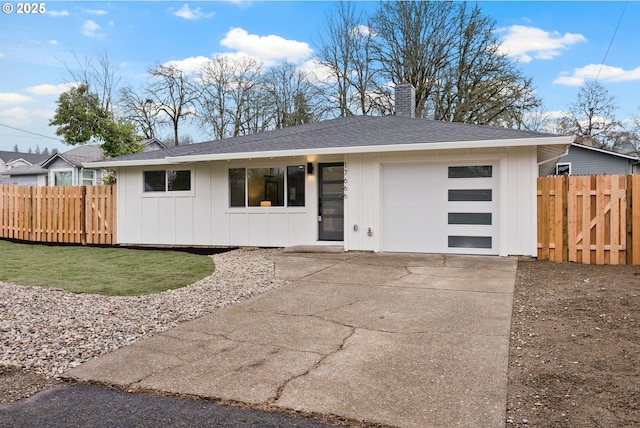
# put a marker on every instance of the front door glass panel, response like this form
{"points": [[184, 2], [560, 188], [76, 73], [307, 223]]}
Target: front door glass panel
{"points": [[331, 203]]}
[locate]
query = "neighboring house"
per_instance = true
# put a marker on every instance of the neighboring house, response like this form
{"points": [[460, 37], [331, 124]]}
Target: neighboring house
{"points": [[586, 160], [152, 144], [392, 184], [61, 169], [9, 160]]}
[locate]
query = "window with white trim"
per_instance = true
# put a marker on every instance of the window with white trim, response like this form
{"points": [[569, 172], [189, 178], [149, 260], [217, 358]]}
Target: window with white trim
{"points": [[563, 168], [88, 177], [63, 178], [167, 181]]}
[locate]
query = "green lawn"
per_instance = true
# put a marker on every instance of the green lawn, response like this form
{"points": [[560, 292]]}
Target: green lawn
{"points": [[107, 271]]}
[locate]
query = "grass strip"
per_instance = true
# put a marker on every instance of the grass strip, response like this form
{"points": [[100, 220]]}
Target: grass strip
{"points": [[97, 270]]}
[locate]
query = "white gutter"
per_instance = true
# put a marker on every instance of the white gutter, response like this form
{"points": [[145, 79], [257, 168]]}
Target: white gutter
{"points": [[480, 144]]}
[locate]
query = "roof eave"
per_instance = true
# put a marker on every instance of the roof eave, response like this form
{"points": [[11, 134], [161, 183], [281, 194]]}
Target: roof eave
{"points": [[172, 160]]}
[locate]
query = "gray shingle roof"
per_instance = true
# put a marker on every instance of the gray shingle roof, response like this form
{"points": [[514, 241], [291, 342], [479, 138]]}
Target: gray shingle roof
{"points": [[354, 131], [32, 158], [77, 156], [25, 170]]}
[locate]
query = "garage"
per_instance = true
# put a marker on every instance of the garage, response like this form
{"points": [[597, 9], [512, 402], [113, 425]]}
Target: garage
{"points": [[440, 208]]}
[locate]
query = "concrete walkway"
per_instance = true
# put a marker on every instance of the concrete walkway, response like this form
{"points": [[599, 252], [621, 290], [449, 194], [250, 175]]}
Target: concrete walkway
{"points": [[398, 339]]}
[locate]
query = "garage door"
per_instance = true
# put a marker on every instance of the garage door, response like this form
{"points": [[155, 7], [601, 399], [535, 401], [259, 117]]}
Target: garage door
{"points": [[440, 208]]}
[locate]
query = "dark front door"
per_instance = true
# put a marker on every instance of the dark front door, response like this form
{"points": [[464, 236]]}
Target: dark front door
{"points": [[331, 203]]}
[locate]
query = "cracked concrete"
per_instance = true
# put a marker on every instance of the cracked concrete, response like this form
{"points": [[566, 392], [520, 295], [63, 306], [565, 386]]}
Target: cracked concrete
{"points": [[399, 339]]}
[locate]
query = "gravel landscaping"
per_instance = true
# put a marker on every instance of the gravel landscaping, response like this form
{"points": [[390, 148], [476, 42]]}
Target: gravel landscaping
{"points": [[48, 331]]}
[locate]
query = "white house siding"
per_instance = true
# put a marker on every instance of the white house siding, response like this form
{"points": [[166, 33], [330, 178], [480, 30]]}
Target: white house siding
{"points": [[516, 216], [203, 216]]}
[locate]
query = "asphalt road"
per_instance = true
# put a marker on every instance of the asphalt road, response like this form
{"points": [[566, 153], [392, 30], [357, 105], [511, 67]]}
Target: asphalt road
{"points": [[98, 407]]}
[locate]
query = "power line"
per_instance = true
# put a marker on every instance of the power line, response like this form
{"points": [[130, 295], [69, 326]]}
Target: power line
{"points": [[612, 38], [32, 133]]}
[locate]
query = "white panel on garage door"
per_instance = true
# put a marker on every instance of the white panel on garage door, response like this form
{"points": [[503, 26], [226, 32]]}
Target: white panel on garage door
{"points": [[439, 208]]}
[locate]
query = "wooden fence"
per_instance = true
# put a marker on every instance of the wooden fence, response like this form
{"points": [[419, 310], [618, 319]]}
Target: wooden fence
{"points": [[64, 214], [589, 219]]}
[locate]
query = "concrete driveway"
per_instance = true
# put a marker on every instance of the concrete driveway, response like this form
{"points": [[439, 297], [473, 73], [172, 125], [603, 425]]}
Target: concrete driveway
{"points": [[398, 339]]}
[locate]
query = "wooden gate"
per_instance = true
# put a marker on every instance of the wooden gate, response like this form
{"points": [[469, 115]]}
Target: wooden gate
{"points": [[597, 213], [589, 219]]}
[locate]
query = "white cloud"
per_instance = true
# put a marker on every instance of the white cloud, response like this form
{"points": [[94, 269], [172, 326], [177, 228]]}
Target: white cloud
{"points": [[94, 11], [317, 72], [604, 73], [192, 14], [91, 29], [361, 30], [529, 43], [58, 13], [15, 113], [53, 42], [13, 98], [266, 48], [1, 55], [189, 65], [49, 89]]}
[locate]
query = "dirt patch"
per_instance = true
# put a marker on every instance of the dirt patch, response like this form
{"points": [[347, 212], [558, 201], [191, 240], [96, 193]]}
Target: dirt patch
{"points": [[575, 346], [17, 384]]}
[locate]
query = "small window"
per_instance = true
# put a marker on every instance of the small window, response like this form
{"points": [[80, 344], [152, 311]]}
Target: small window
{"points": [[470, 218], [237, 187], [295, 186], [470, 195], [483, 171], [88, 177], [178, 181], [163, 181], [563, 169], [469, 242], [154, 181]]}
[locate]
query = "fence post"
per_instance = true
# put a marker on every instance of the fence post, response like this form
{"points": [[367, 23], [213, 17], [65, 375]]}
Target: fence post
{"points": [[634, 201]]}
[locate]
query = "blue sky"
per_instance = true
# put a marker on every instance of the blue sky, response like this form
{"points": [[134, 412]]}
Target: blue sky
{"points": [[558, 44]]}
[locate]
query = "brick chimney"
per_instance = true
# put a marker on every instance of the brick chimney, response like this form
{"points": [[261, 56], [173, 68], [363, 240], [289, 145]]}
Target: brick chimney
{"points": [[405, 100]]}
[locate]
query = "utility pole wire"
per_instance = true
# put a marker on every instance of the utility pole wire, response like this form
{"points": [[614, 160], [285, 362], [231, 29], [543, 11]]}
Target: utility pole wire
{"points": [[612, 38], [32, 133]]}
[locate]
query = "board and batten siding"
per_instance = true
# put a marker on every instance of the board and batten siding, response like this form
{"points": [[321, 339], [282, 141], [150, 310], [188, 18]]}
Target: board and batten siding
{"points": [[203, 216]]}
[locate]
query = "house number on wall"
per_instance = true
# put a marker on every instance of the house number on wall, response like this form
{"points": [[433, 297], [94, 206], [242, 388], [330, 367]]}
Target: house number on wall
{"points": [[344, 194]]}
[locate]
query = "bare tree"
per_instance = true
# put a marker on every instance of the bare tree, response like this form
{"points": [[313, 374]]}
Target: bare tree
{"points": [[412, 43], [538, 120], [346, 51], [140, 110], [230, 88], [292, 98], [97, 74], [479, 84], [174, 93], [450, 53], [591, 117]]}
